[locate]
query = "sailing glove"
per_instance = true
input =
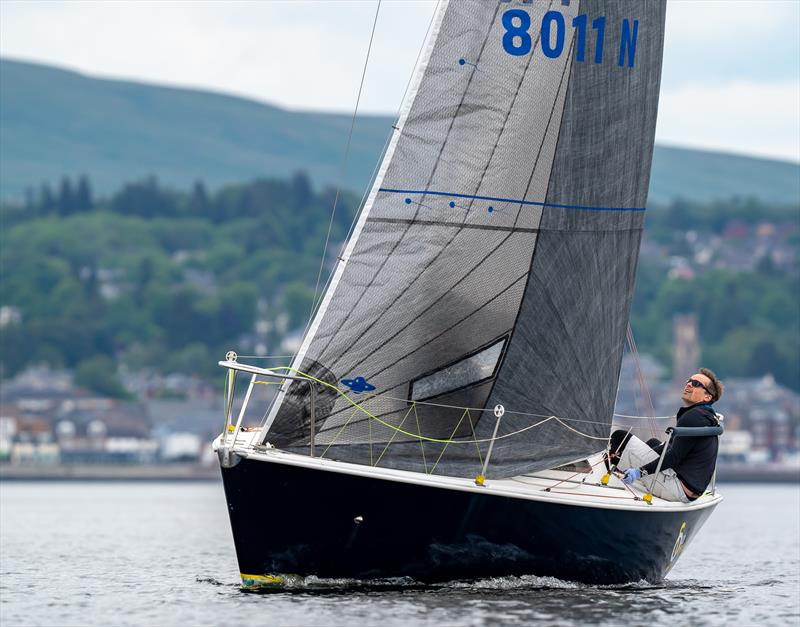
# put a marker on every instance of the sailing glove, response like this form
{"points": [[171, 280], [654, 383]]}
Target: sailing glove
{"points": [[631, 475]]}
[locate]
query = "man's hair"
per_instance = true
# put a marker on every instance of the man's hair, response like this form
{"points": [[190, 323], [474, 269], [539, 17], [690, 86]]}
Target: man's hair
{"points": [[716, 387]]}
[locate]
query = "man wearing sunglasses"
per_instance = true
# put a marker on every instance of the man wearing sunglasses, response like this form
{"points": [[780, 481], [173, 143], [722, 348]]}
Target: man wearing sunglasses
{"points": [[689, 463]]}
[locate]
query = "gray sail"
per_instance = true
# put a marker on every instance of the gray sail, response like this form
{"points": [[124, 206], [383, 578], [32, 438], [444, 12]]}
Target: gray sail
{"points": [[494, 260]]}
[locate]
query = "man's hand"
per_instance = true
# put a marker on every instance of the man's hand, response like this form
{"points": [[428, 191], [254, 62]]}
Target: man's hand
{"points": [[631, 475]]}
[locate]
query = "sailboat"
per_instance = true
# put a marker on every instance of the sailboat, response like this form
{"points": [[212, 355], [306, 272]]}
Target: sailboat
{"points": [[447, 415]]}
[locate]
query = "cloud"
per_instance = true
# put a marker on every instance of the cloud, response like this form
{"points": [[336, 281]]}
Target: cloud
{"points": [[730, 79], [724, 41], [758, 118], [297, 54]]}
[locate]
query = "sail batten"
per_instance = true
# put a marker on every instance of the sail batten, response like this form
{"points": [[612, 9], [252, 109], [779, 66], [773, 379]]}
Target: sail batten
{"points": [[493, 261]]}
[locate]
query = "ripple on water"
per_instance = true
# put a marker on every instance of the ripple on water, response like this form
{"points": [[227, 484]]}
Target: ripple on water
{"points": [[181, 570]]}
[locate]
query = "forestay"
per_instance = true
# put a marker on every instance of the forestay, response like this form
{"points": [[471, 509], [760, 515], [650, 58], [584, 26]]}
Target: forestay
{"points": [[494, 259]]}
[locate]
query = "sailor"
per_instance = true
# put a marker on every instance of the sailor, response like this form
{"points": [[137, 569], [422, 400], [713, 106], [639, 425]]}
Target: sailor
{"points": [[689, 462]]}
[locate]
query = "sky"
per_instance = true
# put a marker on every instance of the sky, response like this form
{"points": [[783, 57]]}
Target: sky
{"points": [[730, 82]]}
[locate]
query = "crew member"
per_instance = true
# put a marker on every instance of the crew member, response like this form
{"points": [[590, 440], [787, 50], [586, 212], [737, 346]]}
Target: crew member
{"points": [[689, 462]]}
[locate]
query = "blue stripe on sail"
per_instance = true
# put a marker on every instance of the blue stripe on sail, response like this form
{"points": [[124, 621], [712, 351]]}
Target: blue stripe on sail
{"points": [[511, 200]]}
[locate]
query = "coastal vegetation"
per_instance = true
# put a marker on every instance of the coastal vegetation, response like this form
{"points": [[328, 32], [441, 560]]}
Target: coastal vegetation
{"points": [[154, 278]]}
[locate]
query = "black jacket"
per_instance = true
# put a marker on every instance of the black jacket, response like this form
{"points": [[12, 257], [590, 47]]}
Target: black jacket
{"points": [[693, 459]]}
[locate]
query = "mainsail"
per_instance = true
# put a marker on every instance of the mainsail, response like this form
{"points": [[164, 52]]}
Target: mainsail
{"points": [[493, 262]]}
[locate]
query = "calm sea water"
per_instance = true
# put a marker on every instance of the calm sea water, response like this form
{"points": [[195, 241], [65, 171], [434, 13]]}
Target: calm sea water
{"points": [[162, 554]]}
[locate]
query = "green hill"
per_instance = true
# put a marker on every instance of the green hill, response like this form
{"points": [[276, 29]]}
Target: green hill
{"points": [[704, 176], [56, 123]]}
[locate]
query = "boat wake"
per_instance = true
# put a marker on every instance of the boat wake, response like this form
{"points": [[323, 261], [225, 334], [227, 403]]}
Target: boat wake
{"points": [[214, 582], [317, 585]]}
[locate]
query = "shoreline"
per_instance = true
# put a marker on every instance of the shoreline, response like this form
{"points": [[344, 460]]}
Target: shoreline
{"points": [[200, 472], [111, 472]]}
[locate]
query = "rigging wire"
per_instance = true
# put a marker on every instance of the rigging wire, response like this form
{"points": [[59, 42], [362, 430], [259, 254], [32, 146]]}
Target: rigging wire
{"points": [[649, 408], [344, 163], [391, 426], [522, 413], [561, 420], [394, 126], [318, 296], [439, 440]]}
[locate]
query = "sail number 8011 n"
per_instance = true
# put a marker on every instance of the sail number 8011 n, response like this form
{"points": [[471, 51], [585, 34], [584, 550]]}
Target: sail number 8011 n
{"points": [[517, 38]]}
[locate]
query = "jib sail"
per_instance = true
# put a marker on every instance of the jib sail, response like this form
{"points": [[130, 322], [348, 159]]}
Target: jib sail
{"points": [[494, 259]]}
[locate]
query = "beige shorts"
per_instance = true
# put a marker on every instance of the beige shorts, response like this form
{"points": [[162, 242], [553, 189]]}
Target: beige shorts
{"points": [[665, 485]]}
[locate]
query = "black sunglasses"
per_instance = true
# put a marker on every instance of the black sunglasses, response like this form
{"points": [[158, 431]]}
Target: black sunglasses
{"points": [[696, 384]]}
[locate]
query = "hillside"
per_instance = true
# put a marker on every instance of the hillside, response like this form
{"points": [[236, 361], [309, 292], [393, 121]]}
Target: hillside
{"points": [[56, 123], [158, 280]]}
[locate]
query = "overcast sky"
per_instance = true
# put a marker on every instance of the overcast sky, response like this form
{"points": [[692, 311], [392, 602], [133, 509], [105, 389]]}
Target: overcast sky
{"points": [[731, 78]]}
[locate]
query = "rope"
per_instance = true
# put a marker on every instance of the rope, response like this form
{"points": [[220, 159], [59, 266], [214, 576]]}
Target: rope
{"points": [[446, 442], [330, 444], [420, 437], [474, 437], [421, 443], [407, 433], [394, 435], [555, 485], [444, 448], [640, 376], [585, 435], [523, 413], [371, 456]]}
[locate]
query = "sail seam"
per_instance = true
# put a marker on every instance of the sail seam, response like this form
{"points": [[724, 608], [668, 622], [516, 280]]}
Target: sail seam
{"points": [[430, 179], [323, 351], [455, 225], [310, 333], [436, 337], [566, 71], [463, 225], [433, 304], [494, 227], [508, 200], [532, 278], [509, 229]]}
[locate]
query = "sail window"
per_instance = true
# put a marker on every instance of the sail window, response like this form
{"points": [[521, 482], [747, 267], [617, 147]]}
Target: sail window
{"points": [[468, 371]]}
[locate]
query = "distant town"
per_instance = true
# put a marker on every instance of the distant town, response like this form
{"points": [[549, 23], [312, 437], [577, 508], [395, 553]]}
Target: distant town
{"points": [[50, 428]]}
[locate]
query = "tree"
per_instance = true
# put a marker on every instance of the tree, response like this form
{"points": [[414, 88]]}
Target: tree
{"points": [[31, 206], [47, 201], [145, 199], [302, 195], [83, 194], [296, 302], [764, 358], [99, 374], [237, 310], [199, 204], [66, 198]]}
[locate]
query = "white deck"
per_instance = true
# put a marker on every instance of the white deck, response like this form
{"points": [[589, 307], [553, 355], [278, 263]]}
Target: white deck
{"points": [[553, 486]]}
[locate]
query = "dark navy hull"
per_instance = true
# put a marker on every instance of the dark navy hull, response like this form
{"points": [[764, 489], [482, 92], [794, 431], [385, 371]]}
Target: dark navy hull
{"points": [[295, 520]]}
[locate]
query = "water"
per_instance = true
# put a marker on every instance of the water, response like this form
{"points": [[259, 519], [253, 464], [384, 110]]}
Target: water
{"points": [[162, 554]]}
